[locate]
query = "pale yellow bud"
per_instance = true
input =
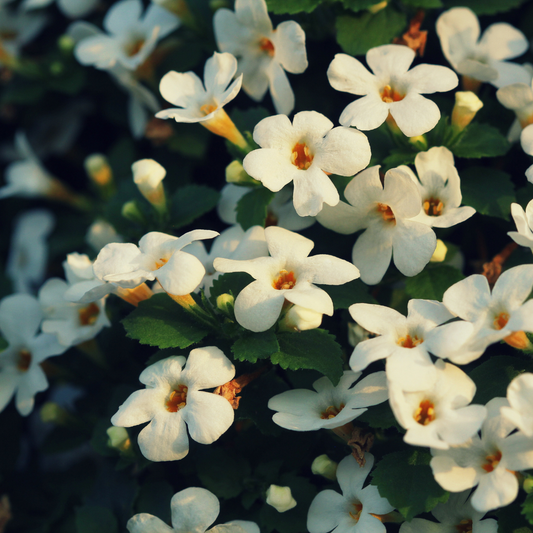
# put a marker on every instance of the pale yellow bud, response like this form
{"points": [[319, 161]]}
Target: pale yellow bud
{"points": [[300, 319], [378, 7], [53, 413], [467, 104], [148, 175], [439, 255], [226, 302], [280, 498], [324, 466], [118, 439], [98, 169]]}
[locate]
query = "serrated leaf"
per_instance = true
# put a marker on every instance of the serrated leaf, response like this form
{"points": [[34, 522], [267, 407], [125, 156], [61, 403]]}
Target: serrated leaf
{"points": [[485, 7], [252, 207], [488, 191], [492, 377], [406, 480], [426, 4], [356, 34], [314, 349], [527, 508], [231, 283], [191, 202], [95, 519], [350, 293], [432, 282], [480, 140], [162, 322], [379, 416], [255, 346], [510, 520], [280, 7]]}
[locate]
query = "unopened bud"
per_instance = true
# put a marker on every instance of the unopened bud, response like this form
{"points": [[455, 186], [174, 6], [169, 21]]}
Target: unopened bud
{"points": [[148, 175], [226, 302], [118, 439], [101, 233], [132, 212], [235, 173], [324, 466], [357, 334], [66, 43], [300, 319], [280, 498], [528, 485], [439, 255], [467, 104], [420, 142], [378, 7], [98, 169], [53, 413], [215, 5]]}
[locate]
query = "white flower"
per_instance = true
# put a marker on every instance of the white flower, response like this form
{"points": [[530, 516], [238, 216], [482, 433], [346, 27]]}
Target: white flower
{"points": [[21, 374], [232, 243], [158, 256], [526, 141], [71, 322], [393, 88], [439, 186], [148, 175], [489, 462], [518, 97], [305, 152], [280, 211], [386, 211], [264, 53], [524, 224], [402, 341], [490, 316], [457, 514], [481, 59], [192, 510], [287, 275], [173, 402], [280, 498], [133, 37], [329, 407], [299, 318], [28, 254], [520, 397], [467, 104], [439, 415], [355, 511]]}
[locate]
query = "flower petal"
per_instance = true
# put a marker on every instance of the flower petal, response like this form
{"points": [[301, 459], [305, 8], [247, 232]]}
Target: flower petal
{"points": [[193, 510], [207, 367]]}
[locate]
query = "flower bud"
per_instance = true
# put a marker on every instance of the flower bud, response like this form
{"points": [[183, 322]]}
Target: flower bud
{"points": [[235, 173], [53, 413], [378, 7], [98, 169], [148, 176], [357, 334], [226, 303], [66, 44], [101, 233], [300, 319], [467, 104], [118, 439], [528, 485], [439, 255], [280, 498], [132, 212], [324, 466]]}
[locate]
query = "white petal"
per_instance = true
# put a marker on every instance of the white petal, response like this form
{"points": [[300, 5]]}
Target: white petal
{"points": [[390, 60], [372, 253], [313, 188], [289, 45], [468, 298], [208, 367], [413, 245], [503, 41], [122, 16], [496, 489], [280, 88], [165, 437], [428, 79], [271, 167], [147, 523], [258, 306], [347, 74], [193, 509], [415, 115], [368, 351], [139, 408], [366, 113], [377, 319], [181, 274]]}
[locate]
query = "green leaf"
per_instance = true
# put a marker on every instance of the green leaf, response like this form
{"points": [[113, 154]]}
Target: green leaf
{"points": [[350, 293], [527, 508], [485, 7], [154, 498], [280, 7], [252, 207], [95, 519], [488, 191], [314, 349], [432, 282], [231, 283], [426, 4], [191, 202], [399, 157], [480, 140], [358, 5], [254, 346], [379, 416], [510, 519], [406, 480], [247, 120], [492, 377], [162, 322], [357, 34]]}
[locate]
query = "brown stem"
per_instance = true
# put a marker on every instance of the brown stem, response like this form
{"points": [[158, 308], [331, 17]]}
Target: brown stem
{"points": [[230, 389], [493, 269]]}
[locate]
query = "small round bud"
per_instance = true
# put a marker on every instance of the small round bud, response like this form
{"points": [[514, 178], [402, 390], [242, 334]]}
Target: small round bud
{"points": [[132, 212], [226, 303], [439, 255], [528, 485], [148, 175], [53, 413], [324, 466], [467, 104], [118, 439], [235, 173], [300, 319], [280, 498], [378, 7], [66, 43], [98, 169]]}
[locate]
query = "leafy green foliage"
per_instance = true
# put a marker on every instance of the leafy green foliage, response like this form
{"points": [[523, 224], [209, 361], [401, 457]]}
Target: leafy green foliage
{"points": [[95, 519], [406, 480], [314, 349], [510, 519], [254, 346], [488, 191], [485, 7], [432, 282], [527, 508], [252, 207], [426, 4], [232, 283], [358, 5], [280, 7], [492, 377], [356, 34], [379, 416], [350, 293], [480, 140], [191, 202], [161, 322]]}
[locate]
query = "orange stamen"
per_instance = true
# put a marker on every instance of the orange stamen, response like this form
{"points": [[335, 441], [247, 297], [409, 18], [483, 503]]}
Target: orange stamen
{"points": [[386, 212], [160, 262], [389, 95], [331, 412], [464, 526], [301, 157], [425, 413], [409, 342], [24, 360], [134, 48], [285, 280], [177, 399], [492, 461], [266, 46], [357, 513], [433, 207], [88, 315], [207, 109]]}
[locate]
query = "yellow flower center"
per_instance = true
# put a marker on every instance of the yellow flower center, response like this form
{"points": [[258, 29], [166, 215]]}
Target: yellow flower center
{"points": [[301, 156], [207, 109], [492, 461], [357, 509], [389, 95], [88, 315], [425, 413], [409, 342], [464, 526], [500, 321], [386, 212], [177, 399], [266, 46], [433, 207], [24, 361], [285, 280], [331, 412]]}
